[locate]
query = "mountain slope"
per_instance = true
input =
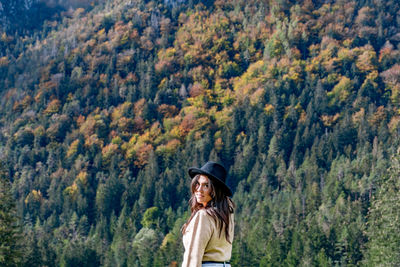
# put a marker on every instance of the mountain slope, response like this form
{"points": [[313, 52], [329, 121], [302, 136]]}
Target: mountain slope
{"points": [[103, 112]]}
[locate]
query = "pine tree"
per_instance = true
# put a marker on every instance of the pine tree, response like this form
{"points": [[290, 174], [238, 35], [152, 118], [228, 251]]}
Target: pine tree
{"points": [[383, 247], [10, 249]]}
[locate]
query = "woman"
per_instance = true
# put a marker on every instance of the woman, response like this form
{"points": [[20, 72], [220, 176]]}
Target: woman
{"points": [[208, 234]]}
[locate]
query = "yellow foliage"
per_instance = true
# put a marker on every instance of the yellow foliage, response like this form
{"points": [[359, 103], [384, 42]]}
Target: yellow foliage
{"points": [[201, 124], [101, 32], [162, 83], [218, 144], [109, 150], [240, 137], [394, 124], [87, 125], [4, 62], [341, 91], [223, 117], [82, 178], [175, 132], [93, 140], [269, 109], [251, 80], [329, 121], [34, 195], [293, 74], [395, 96], [53, 107], [367, 60], [116, 140], [303, 117], [39, 131], [197, 101], [371, 79], [133, 139], [168, 239], [357, 117], [169, 148], [378, 116], [71, 191], [155, 132], [166, 54], [73, 148], [257, 96], [120, 111], [169, 123], [345, 54]]}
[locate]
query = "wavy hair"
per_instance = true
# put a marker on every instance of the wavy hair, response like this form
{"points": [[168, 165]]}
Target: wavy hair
{"points": [[219, 207]]}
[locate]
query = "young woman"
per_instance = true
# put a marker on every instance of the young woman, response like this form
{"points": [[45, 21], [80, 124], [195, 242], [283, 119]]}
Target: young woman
{"points": [[208, 234]]}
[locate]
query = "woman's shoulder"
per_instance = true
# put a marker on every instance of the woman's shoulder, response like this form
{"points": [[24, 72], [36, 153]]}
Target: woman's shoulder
{"points": [[203, 215]]}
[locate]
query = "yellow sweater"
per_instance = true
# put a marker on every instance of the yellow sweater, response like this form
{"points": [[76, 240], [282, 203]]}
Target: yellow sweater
{"points": [[202, 241]]}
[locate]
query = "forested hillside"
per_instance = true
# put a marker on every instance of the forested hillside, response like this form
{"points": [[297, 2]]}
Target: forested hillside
{"points": [[104, 107]]}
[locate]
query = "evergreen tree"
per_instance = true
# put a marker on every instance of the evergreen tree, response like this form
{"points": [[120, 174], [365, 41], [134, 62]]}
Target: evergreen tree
{"points": [[383, 246], [10, 232]]}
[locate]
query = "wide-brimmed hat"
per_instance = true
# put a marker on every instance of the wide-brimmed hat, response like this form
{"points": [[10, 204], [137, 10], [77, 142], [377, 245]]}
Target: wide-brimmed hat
{"points": [[214, 171]]}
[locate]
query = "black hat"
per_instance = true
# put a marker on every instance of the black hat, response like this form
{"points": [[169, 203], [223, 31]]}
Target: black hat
{"points": [[214, 171]]}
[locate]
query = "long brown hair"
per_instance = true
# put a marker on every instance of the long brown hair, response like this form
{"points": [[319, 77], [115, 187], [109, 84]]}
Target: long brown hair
{"points": [[219, 207]]}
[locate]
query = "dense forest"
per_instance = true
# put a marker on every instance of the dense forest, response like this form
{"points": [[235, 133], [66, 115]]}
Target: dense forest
{"points": [[104, 105]]}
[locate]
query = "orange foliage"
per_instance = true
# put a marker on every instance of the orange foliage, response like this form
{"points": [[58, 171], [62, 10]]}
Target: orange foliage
{"points": [[392, 79], [218, 144], [378, 117], [168, 148], [108, 151], [367, 60], [329, 121], [93, 140], [131, 78], [24, 103], [80, 120], [125, 124], [142, 155], [167, 110], [187, 124], [196, 90], [394, 123], [87, 127], [139, 124], [53, 107], [139, 106], [4, 62], [357, 117], [392, 75]]}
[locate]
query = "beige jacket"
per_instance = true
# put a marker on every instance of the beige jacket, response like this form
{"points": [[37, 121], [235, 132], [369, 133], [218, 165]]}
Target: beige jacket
{"points": [[202, 241]]}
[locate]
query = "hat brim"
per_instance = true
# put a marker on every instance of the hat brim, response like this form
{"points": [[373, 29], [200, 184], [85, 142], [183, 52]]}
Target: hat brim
{"points": [[195, 171]]}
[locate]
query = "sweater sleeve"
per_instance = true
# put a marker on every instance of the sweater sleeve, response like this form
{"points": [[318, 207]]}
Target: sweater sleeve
{"points": [[199, 237]]}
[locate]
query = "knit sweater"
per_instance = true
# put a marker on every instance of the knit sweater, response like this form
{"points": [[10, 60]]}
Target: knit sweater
{"points": [[203, 242]]}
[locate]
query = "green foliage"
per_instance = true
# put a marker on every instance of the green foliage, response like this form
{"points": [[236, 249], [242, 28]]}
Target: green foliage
{"points": [[151, 217], [382, 248], [10, 232]]}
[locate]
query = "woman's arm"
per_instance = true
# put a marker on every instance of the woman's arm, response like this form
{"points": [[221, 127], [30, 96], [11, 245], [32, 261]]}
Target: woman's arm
{"points": [[199, 235]]}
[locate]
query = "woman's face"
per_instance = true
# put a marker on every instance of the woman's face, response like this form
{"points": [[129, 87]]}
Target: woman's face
{"points": [[203, 190]]}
